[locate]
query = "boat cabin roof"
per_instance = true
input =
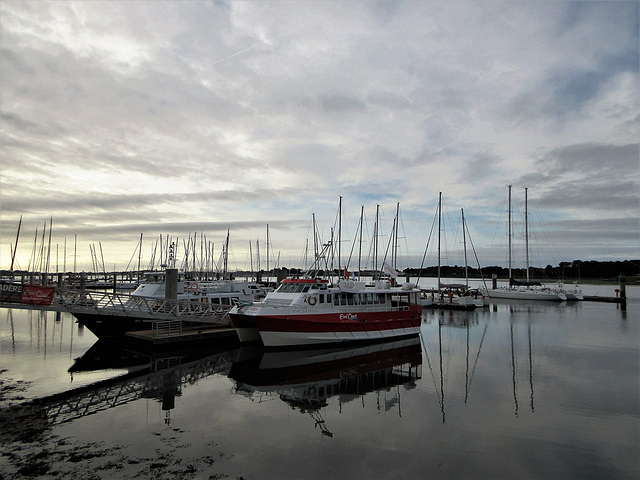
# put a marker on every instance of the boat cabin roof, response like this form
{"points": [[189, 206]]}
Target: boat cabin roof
{"points": [[304, 280]]}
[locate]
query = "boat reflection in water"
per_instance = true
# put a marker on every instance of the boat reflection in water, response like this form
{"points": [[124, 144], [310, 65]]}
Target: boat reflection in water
{"points": [[154, 376], [307, 379]]}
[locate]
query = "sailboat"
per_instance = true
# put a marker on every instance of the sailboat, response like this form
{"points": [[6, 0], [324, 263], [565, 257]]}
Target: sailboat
{"points": [[527, 290], [456, 296]]}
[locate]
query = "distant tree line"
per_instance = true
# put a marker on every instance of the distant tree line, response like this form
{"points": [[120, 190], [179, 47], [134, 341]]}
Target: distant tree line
{"points": [[576, 270]]}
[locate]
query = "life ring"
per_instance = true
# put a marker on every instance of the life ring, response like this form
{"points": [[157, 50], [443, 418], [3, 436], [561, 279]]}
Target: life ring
{"points": [[313, 300], [194, 287]]}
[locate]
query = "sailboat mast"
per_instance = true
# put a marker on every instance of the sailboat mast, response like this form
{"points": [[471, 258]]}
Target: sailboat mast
{"points": [[139, 255], [464, 244], [395, 242], [15, 249], [267, 250], [439, 230], [509, 233], [49, 246], [375, 240], [258, 257], [360, 242], [226, 256], [339, 233], [526, 229], [315, 239], [250, 259]]}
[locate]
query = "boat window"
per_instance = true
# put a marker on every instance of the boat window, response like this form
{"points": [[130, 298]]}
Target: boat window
{"points": [[321, 297], [225, 301], [369, 298], [328, 298], [350, 298], [306, 288], [381, 298]]}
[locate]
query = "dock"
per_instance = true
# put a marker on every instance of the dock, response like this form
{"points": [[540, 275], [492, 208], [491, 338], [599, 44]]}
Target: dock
{"points": [[597, 298], [170, 334]]}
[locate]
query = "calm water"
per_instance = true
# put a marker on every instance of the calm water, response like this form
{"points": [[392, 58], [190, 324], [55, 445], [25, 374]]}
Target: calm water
{"points": [[510, 391]]}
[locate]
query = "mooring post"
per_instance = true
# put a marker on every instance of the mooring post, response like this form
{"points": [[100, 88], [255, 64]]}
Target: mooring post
{"points": [[171, 284], [623, 289], [623, 292], [494, 281]]}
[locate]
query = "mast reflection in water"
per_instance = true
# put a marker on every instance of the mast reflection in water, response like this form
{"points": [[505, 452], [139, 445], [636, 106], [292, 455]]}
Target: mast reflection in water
{"points": [[307, 379]]}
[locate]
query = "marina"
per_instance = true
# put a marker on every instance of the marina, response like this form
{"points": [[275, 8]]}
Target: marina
{"points": [[543, 383], [319, 240]]}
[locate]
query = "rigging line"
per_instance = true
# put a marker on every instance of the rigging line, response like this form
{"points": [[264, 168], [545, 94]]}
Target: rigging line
{"points": [[499, 226], [426, 248], [132, 255], [473, 248], [353, 244], [433, 377], [473, 370]]}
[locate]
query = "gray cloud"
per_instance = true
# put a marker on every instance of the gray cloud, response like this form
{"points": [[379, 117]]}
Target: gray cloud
{"points": [[126, 114]]}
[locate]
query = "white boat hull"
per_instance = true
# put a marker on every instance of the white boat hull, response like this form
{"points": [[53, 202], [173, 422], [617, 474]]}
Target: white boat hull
{"points": [[248, 335], [281, 339], [526, 295]]}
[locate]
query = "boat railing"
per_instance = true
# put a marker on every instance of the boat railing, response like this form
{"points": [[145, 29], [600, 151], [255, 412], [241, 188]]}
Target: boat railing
{"points": [[109, 303], [167, 328]]}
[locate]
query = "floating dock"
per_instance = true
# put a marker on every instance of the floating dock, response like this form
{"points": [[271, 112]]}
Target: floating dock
{"points": [[596, 298], [170, 334]]}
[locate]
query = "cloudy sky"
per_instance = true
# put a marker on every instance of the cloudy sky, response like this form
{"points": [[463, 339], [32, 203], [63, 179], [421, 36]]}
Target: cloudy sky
{"points": [[177, 118]]}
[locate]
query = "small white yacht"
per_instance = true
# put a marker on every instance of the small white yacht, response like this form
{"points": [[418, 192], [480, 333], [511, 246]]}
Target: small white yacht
{"points": [[222, 292]]}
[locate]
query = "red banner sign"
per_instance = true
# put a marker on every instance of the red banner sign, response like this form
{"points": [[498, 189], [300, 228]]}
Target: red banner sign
{"points": [[36, 295]]}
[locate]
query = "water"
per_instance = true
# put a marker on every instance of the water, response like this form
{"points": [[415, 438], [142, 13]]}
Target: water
{"points": [[511, 391]]}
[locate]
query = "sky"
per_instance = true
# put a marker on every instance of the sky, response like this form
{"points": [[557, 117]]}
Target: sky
{"points": [[193, 119]]}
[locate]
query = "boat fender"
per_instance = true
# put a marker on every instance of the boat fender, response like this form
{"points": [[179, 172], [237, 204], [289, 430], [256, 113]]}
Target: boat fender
{"points": [[194, 287], [313, 300]]}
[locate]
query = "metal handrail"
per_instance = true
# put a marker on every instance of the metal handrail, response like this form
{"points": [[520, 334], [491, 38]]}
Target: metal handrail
{"points": [[135, 306]]}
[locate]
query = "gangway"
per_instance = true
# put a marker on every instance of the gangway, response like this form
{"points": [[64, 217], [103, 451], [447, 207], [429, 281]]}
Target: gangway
{"points": [[121, 304]]}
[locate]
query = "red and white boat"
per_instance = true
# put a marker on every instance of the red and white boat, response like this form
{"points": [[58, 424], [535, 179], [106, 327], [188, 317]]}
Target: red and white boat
{"points": [[309, 311]]}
